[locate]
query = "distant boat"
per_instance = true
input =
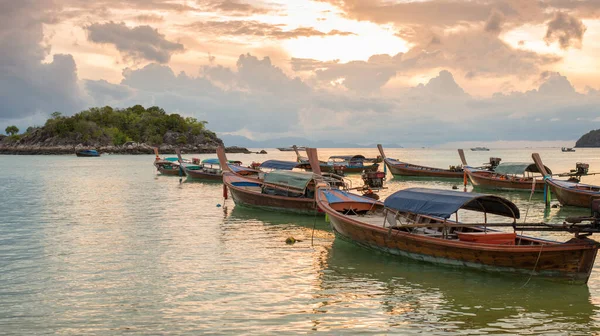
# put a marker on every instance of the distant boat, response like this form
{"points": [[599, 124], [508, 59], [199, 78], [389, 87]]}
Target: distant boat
{"points": [[342, 163], [401, 168], [87, 153], [567, 149], [210, 169], [168, 165], [289, 149], [508, 176], [480, 149]]}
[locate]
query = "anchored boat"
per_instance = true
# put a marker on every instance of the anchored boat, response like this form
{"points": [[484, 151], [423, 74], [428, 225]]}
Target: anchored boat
{"points": [[281, 189], [87, 153], [415, 223], [400, 168], [568, 193]]}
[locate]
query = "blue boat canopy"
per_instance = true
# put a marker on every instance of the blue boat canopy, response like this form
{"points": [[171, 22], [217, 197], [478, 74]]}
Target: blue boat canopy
{"points": [[518, 168], [215, 161], [278, 164], [443, 203], [240, 169], [172, 159]]}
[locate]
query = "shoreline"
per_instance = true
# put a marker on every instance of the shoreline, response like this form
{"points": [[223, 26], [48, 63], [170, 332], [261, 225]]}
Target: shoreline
{"points": [[141, 149]]}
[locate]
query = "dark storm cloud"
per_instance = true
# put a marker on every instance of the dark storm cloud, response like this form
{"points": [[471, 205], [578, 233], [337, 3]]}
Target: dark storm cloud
{"points": [[142, 42]]}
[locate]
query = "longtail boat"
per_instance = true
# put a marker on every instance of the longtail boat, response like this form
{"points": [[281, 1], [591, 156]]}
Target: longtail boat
{"points": [[414, 223], [282, 190], [568, 193], [87, 153], [343, 163], [168, 166], [400, 168], [210, 169], [507, 176]]}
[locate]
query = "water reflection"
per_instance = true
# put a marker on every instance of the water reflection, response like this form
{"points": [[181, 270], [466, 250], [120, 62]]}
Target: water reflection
{"points": [[405, 295]]}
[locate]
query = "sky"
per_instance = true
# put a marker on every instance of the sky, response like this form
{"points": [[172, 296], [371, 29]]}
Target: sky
{"points": [[414, 73]]}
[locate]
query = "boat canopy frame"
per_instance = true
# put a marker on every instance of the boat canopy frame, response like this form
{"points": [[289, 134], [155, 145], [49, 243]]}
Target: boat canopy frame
{"points": [[518, 168], [444, 203]]}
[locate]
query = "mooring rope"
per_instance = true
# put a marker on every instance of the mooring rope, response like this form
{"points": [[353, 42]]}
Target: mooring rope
{"points": [[534, 266]]}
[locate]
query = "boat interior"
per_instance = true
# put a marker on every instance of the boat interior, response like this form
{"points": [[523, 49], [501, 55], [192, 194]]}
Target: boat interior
{"points": [[441, 229]]}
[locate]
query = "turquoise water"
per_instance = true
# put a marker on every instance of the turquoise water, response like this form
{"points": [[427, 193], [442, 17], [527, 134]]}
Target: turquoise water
{"points": [[106, 246]]}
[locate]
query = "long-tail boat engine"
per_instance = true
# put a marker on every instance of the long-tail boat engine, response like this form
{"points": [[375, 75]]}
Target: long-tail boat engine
{"points": [[373, 179], [338, 170], [494, 162], [580, 170], [593, 220]]}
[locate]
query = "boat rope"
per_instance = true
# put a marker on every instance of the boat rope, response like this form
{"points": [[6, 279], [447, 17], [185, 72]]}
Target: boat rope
{"points": [[534, 267]]}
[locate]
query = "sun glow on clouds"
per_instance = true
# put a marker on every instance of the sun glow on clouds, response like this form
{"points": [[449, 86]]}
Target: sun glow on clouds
{"points": [[368, 39]]}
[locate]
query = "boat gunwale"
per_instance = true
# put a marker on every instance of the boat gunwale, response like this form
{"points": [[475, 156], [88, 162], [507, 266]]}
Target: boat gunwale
{"points": [[546, 245]]}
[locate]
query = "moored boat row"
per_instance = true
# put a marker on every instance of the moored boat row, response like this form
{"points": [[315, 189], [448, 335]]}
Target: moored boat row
{"points": [[415, 223]]}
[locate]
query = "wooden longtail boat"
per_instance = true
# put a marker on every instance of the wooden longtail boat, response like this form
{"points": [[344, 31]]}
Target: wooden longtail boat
{"points": [[168, 166], [507, 176], [399, 168], [568, 193], [279, 190], [210, 169], [344, 163], [414, 223]]}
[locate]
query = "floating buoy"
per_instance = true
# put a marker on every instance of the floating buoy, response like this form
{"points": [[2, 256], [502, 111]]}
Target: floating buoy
{"points": [[218, 205], [290, 240], [454, 187]]}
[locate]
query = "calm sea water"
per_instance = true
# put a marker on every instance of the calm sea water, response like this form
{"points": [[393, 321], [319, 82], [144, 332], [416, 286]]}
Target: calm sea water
{"points": [[106, 246]]}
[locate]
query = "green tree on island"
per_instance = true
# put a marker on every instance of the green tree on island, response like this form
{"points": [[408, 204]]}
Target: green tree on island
{"points": [[12, 130], [118, 126]]}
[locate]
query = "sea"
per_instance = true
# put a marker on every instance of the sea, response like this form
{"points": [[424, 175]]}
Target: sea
{"points": [[106, 246]]}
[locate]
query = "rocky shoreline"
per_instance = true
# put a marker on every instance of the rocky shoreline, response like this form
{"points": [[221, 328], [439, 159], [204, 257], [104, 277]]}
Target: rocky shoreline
{"points": [[128, 148]]}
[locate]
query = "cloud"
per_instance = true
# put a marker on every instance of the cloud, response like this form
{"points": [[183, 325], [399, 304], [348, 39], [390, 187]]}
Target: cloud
{"points": [[494, 22], [138, 43], [470, 52], [259, 29], [149, 18], [565, 29], [29, 85], [233, 6]]}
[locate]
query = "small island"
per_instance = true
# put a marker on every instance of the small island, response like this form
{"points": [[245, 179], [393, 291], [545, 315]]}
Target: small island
{"points": [[132, 130], [590, 139]]}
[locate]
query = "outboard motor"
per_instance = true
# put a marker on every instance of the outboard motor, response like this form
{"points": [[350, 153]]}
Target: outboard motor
{"points": [[338, 170], [582, 168], [494, 162], [373, 179]]}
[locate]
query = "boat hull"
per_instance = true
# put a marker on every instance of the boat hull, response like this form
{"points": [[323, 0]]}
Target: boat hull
{"points": [[571, 262], [421, 171], [351, 169], [86, 155], [482, 180], [571, 197], [201, 175], [170, 172], [246, 198]]}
